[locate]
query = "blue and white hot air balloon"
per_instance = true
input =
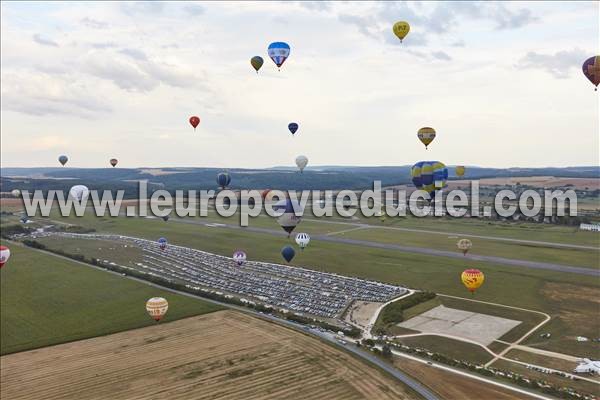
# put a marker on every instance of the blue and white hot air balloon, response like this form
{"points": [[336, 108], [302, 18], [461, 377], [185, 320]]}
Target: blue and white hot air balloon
{"points": [[162, 243], [287, 217], [279, 52], [429, 176]]}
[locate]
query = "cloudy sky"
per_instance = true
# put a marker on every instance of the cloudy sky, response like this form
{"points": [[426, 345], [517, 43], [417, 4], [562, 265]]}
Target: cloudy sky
{"points": [[500, 82]]}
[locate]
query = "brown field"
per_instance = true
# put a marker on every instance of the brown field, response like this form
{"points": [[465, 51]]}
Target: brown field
{"points": [[448, 385], [222, 355], [535, 181]]}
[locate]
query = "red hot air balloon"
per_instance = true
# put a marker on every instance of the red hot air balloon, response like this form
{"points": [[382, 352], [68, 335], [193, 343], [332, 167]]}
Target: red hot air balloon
{"points": [[194, 121]]}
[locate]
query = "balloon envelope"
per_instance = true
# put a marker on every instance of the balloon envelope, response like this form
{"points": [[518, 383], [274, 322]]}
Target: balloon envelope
{"points": [[157, 308], [113, 162], [464, 245], [256, 62], [287, 217], [591, 70], [162, 243], [4, 255], [302, 239], [301, 162], [223, 179], [472, 279], [79, 192], [426, 135], [239, 257], [16, 193], [429, 176], [194, 121], [460, 170], [401, 29], [288, 253], [63, 159], [279, 52], [293, 127]]}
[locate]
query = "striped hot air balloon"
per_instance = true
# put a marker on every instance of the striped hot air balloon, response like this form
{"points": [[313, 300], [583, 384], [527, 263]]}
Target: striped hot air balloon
{"points": [[302, 239], [157, 308], [472, 279], [426, 135], [429, 176]]}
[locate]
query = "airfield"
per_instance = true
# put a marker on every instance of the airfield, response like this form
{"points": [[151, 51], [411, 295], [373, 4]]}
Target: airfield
{"points": [[531, 292]]}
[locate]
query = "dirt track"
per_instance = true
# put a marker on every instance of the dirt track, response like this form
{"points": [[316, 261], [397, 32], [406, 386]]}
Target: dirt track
{"points": [[222, 355]]}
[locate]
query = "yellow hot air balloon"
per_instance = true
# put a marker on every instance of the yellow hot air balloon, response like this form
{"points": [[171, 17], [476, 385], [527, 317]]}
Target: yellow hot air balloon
{"points": [[464, 245], [401, 29], [157, 308], [460, 170], [426, 135], [472, 279]]}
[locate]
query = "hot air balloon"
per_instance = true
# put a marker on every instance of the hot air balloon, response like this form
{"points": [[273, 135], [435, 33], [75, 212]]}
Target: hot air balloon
{"points": [[157, 308], [16, 192], [63, 160], [5, 255], [591, 70], [223, 179], [288, 219], [426, 135], [288, 253], [239, 257], [301, 162], [79, 192], [464, 245], [302, 239], [401, 29], [113, 162], [162, 243], [293, 127], [429, 176], [472, 279], [24, 219], [460, 170], [194, 121], [256, 62], [279, 52]]}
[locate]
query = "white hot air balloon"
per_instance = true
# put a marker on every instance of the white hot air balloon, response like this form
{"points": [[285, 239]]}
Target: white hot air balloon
{"points": [[157, 308], [79, 192], [16, 193], [302, 239], [301, 162], [4, 255], [239, 257]]}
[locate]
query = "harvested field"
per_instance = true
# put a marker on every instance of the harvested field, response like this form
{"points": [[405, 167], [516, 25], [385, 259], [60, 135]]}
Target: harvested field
{"points": [[224, 355], [451, 386]]}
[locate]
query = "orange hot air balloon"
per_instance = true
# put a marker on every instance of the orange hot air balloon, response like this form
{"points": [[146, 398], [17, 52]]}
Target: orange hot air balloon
{"points": [[113, 162], [157, 308], [472, 279], [194, 121]]}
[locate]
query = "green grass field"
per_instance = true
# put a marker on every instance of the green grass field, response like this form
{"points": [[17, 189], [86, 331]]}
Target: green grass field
{"points": [[47, 300], [449, 347]]}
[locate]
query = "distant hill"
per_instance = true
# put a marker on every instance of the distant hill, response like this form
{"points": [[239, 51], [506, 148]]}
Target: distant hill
{"points": [[318, 177]]}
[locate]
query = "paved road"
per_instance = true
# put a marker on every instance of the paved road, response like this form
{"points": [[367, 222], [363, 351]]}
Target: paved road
{"points": [[407, 380], [411, 249], [498, 238]]}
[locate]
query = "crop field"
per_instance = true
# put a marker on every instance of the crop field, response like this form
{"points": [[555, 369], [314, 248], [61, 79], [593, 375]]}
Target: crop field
{"points": [[226, 355], [47, 300]]}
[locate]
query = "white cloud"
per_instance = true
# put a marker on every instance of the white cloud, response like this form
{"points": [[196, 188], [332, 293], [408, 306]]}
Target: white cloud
{"points": [[44, 41], [558, 64]]}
